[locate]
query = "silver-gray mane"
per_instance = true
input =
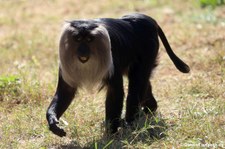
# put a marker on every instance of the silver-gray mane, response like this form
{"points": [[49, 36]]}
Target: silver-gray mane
{"points": [[99, 66]]}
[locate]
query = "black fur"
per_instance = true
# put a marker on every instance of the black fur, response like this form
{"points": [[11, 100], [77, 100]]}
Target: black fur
{"points": [[134, 47]]}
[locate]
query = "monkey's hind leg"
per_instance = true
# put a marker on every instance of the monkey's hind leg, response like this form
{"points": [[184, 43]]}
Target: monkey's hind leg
{"points": [[139, 91]]}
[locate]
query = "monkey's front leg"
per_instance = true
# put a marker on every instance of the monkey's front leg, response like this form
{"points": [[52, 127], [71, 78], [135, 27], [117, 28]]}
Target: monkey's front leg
{"points": [[61, 101]]}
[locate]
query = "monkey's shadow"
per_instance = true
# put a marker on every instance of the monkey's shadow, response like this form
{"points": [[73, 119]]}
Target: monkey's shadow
{"points": [[145, 130]]}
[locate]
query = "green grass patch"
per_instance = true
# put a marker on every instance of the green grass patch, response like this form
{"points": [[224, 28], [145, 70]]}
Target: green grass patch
{"points": [[212, 3], [9, 85]]}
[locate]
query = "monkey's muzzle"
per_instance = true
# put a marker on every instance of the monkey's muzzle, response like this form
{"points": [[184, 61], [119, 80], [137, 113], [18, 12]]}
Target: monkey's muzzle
{"points": [[83, 53]]}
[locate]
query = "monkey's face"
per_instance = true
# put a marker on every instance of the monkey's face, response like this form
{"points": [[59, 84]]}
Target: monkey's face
{"points": [[85, 53]]}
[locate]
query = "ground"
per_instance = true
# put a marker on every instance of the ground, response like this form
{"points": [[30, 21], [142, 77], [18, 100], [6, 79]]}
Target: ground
{"points": [[191, 111]]}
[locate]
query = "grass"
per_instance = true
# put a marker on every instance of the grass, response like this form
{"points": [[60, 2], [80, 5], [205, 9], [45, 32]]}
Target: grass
{"points": [[191, 110]]}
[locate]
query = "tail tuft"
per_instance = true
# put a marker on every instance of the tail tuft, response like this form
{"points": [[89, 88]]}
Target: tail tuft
{"points": [[181, 66]]}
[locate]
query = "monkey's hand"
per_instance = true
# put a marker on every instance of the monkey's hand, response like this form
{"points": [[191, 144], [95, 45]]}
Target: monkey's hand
{"points": [[53, 121]]}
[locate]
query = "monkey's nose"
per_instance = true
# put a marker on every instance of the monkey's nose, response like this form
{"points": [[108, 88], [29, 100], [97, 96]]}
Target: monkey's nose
{"points": [[83, 59]]}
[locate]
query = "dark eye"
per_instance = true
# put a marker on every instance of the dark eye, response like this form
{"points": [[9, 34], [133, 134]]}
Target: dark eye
{"points": [[89, 39], [79, 38]]}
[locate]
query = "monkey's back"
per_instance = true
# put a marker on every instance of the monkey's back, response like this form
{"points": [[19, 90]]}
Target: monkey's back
{"points": [[132, 38]]}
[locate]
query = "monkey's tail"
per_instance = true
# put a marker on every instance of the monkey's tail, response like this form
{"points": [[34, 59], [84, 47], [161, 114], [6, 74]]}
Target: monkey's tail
{"points": [[180, 65]]}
